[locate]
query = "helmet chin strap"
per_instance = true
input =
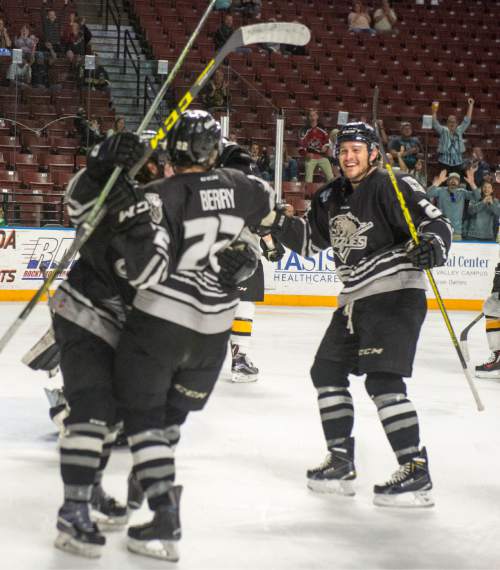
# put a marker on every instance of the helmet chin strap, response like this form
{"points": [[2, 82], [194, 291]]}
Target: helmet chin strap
{"points": [[364, 174]]}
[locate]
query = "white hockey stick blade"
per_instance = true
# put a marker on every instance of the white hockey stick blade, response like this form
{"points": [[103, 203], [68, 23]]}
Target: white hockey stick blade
{"points": [[464, 338], [276, 32]]}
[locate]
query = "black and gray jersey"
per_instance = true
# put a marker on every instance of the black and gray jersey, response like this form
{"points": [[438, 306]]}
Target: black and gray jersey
{"points": [[110, 268], [368, 232], [203, 213]]}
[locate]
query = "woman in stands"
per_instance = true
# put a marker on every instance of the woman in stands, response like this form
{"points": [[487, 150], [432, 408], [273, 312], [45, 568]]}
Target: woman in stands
{"points": [[482, 216]]}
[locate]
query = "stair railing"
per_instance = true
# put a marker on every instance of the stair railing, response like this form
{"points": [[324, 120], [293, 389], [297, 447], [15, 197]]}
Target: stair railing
{"points": [[112, 10], [128, 42], [149, 93]]}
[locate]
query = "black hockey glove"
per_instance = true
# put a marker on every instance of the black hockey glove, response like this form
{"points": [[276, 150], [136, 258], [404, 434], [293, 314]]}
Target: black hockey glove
{"points": [[430, 252], [127, 205], [273, 223], [237, 263], [123, 149], [274, 253]]}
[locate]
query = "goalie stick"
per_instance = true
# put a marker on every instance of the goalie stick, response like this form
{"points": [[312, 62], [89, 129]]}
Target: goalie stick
{"points": [[414, 236], [276, 32], [464, 338]]}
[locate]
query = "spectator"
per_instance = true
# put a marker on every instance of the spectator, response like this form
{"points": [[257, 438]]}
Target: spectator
{"points": [[5, 41], [397, 162], [482, 215], [261, 161], [248, 8], [2, 217], [87, 34], [290, 171], [224, 32], [481, 167], [359, 19], [314, 145], [418, 171], [451, 145], [118, 127], [216, 95], [51, 31], [384, 18], [381, 130], [451, 199], [75, 46], [40, 76], [98, 79], [20, 73], [407, 144], [26, 41], [222, 5]]}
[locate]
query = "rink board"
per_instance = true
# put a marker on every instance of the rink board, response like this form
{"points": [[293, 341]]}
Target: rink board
{"points": [[464, 282]]}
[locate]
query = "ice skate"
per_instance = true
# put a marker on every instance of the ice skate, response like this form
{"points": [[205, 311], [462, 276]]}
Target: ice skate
{"points": [[408, 487], [77, 533], [337, 473], [158, 538], [106, 512], [135, 493], [242, 369], [491, 368]]}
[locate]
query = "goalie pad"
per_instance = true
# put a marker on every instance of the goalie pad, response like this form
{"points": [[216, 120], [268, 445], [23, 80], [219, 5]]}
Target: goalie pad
{"points": [[44, 355]]}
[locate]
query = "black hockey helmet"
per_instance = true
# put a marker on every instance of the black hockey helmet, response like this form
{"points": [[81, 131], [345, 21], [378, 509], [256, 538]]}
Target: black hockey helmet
{"points": [[358, 131], [194, 139]]}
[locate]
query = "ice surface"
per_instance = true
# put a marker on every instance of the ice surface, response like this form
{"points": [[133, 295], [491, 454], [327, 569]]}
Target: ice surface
{"points": [[243, 461]]}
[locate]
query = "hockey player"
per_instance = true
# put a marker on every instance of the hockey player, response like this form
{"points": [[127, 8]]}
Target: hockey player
{"points": [[124, 253], [175, 337], [381, 309], [491, 310]]}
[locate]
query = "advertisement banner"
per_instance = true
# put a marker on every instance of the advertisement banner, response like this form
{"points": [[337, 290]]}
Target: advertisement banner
{"points": [[26, 254]]}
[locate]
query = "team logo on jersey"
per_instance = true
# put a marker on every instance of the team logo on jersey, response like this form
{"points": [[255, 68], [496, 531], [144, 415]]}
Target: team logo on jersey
{"points": [[346, 234], [156, 207]]}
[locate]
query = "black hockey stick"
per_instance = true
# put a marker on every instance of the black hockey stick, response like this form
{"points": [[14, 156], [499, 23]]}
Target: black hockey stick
{"points": [[279, 32], [430, 276], [464, 337]]}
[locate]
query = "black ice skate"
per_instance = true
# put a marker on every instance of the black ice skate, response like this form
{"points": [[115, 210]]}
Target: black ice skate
{"points": [[336, 473], [158, 537], [242, 369], [409, 486], [491, 368], [77, 533], [135, 493], [106, 512]]}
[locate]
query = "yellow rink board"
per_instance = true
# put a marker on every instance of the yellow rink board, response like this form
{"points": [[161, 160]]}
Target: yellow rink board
{"points": [[287, 300]]}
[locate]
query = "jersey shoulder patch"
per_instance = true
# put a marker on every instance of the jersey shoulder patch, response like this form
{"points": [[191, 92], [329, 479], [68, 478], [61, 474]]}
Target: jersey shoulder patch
{"points": [[414, 184], [156, 206]]}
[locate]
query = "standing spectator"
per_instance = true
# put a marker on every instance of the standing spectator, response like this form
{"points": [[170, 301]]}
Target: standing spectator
{"points": [[314, 145], [5, 41], [118, 127], [418, 171], [87, 34], [481, 167], [407, 144], [451, 145], [451, 199], [216, 95], [359, 19], [384, 18], [224, 32], [51, 27], [482, 215], [40, 76], [261, 162], [26, 41]]}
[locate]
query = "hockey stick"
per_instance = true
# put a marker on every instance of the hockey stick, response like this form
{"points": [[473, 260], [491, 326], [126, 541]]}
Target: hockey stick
{"points": [[464, 336], [430, 276], [279, 32]]}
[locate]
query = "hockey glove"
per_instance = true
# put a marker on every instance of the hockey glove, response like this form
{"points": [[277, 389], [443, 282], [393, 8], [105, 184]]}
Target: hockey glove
{"points": [[430, 252], [237, 262], [273, 223], [272, 249], [123, 149]]}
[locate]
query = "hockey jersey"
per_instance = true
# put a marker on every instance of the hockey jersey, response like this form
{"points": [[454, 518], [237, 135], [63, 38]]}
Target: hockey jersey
{"points": [[368, 233], [203, 213], [111, 266]]}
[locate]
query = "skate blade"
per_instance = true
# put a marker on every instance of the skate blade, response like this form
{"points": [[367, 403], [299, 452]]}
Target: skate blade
{"points": [[163, 549], [332, 487], [109, 524], [238, 378], [495, 375], [413, 500], [69, 544]]}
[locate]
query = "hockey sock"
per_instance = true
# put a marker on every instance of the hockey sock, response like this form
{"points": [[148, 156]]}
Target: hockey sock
{"points": [[493, 332], [337, 414], [81, 448], [106, 453], [154, 464], [241, 331]]}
